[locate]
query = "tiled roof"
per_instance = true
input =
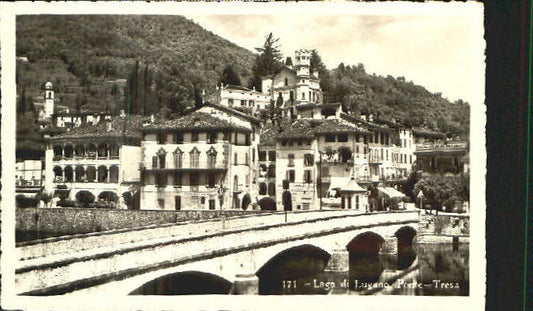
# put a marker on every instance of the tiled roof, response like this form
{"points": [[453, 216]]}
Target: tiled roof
{"points": [[428, 133], [194, 121], [308, 128], [334, 126], [234, 112], [363, 123], [127, 126]]}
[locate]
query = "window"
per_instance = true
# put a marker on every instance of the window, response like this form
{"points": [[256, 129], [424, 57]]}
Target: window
{"points": [[410, 159], [286, 81], [308, 177], [271, 171], [178, 158], [194, 137], [343, 138], [284, 143], [235, 158], [291, 95], [161, 138], [330, 138], [387, 155], [291, 159], [262, 189], [194, 181], [246, 159], [161, 203], [154, 161], [303, 95], [211, 157], [262, 155], [211, 204], [212, 137], [162, 157], [195, 157], [161, 179], [272, 188], [230, 102], [272, 156], [211, 180], [308, 159], [227, 136], [178, 138], [243, 102], [177, 180], [251, 103], [290, 175]]}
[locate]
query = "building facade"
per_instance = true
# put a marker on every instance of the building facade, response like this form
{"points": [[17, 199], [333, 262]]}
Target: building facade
{"points": [[95, 163], [205, 160]]}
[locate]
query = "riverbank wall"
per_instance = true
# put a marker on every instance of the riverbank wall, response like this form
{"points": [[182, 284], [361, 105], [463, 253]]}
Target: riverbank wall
{"points": [[444, 229]]}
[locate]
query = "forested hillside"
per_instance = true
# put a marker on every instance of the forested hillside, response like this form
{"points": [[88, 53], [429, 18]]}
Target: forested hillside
{"points": [[161, 64], [84, 55]]}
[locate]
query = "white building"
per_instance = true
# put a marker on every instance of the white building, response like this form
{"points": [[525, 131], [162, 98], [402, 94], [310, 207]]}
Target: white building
{"points": [[101, 159], [233, 96], [205, 160], [294, 86]]}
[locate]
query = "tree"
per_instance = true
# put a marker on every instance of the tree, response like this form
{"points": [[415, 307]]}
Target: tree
{"points": [[267, 62], [85, 198], [318, 66], [441, 191], [229, 76], [22, 103]]}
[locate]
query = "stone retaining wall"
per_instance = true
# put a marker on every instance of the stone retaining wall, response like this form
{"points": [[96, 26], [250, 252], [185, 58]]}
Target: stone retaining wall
{"points": [[47, 222]]}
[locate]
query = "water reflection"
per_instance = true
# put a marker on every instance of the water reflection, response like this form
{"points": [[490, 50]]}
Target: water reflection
{"points": [[425, 269]]}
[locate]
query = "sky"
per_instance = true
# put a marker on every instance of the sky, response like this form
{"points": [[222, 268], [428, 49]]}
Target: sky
{"points": [[443, 53]]}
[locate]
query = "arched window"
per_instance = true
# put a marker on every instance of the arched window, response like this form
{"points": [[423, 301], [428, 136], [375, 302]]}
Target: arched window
{"points": [[262, 188], [69, 174], [162, 157], [102, 173], [69, 151], [211, 157], [79, 151], [113, 174], [80, 173], [178, 158], [58, 173], [91, 174], [195, 157], [114, 151], [58, 152], [103, 150], [91, 151], [286, 81]]}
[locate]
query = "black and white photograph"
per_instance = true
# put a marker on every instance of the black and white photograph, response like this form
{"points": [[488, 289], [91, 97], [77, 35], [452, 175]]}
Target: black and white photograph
{"points": [[210, 153]]}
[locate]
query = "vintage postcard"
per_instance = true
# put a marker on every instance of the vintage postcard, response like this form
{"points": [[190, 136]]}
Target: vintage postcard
{"points": [[236, 156]]}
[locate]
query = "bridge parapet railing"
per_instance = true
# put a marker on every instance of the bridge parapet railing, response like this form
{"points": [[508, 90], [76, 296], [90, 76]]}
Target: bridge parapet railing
{"points": [[154, 255]]}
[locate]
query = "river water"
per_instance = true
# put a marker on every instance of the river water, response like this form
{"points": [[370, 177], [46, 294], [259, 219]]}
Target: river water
{"points": [[425, 269]]}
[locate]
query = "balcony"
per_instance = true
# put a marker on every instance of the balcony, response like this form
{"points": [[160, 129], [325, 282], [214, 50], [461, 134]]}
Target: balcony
{"points": [[442, 148]]}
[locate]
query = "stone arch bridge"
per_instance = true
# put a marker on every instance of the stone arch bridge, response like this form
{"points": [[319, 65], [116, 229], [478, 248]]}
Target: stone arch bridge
{"points": [[232, 251]]}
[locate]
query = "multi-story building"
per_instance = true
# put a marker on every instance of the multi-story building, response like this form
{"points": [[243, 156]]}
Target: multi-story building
{"points": [[240, 97], [206, 159], [28, 178], [99, 161], [445, 157], [294, 86]]}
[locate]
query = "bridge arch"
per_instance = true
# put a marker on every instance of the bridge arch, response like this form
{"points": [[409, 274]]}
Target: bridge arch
{"points": [[367, 243], [185, 283], [295, 263], [406, 253], [405, 236]]}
